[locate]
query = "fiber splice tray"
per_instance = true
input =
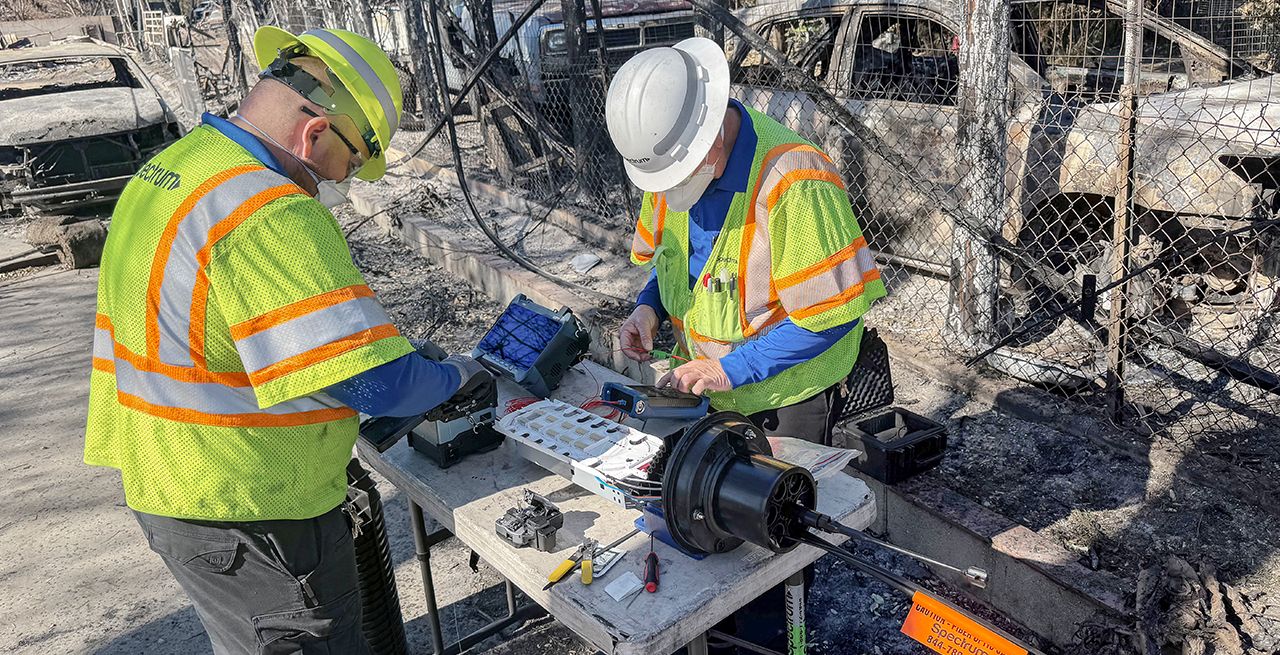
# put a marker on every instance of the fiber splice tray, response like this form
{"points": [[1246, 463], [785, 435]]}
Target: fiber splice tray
{"points": [[594, 452], [896, 444]]}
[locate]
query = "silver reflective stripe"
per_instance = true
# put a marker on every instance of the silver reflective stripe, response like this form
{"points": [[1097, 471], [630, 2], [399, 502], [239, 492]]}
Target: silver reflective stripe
{"points": [[103, 344], [178, 285], [207, 397], [365, 71], [309, 331]]}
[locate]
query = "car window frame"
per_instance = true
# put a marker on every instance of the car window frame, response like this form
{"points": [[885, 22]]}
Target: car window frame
{"points": [[835, 60], [854, 27]]}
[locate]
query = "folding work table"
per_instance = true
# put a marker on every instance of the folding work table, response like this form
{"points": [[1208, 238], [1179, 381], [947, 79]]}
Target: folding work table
{"points": [[466, 498]]}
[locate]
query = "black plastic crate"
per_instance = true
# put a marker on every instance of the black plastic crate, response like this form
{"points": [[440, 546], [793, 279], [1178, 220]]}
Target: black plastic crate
{"points": [[896, 443]]}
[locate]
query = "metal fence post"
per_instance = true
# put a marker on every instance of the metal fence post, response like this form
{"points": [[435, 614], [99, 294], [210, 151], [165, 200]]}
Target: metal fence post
{"points": [[1122, 224], [982, 136]]}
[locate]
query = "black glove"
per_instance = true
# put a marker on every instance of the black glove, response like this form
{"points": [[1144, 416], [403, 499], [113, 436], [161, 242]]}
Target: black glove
{"points": [[427, 348], [478, 389]]}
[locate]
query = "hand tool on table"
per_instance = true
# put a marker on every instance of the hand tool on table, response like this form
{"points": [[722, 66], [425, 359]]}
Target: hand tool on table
{"points": [[651, 569], [578, 557], [587, 546]]}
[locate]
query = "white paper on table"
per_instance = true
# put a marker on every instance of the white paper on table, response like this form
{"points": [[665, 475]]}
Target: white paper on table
{"points": [[822, 461], [624, 586]]}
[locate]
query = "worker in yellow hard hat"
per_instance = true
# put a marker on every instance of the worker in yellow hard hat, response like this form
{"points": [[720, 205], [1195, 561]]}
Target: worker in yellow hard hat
{"points": [[236, 343]]}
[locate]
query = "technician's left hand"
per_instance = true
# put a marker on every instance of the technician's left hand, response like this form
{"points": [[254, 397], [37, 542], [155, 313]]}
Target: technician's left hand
{"points": [[697, 377]]}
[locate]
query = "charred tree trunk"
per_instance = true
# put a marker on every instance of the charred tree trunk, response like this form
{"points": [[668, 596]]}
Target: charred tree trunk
{"points": [[419, 53], [982, 138], [235, 55]]}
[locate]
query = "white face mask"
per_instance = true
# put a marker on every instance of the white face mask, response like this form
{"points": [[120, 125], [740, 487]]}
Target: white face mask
{"points": [[332, 194], [683, 196], [329, 193]]}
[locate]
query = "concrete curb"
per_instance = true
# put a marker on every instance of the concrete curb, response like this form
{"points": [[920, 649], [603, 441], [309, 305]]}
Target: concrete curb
{"points": [[1035, 581], [591, 232]]}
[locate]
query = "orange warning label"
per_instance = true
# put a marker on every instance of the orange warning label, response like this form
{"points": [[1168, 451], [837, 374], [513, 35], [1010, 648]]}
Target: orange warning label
{"points": [[949, 632]]}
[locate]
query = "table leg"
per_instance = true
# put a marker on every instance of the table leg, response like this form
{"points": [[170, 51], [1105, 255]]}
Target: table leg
{"points": [[423, 551], [698, 646], [796, 630], [511, 597]]}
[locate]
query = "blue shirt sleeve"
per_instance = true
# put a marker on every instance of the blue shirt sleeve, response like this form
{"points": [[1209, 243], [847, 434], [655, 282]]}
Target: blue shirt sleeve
{"points": [[407, 386], [778, 350], [650, 296]]}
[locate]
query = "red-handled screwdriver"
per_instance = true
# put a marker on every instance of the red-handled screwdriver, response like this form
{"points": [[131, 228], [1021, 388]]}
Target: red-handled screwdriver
{"points": [[651, 569]]}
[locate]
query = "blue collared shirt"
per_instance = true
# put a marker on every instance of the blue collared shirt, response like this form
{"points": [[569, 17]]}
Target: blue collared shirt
{"points": [[784, 346], [245, 139]]}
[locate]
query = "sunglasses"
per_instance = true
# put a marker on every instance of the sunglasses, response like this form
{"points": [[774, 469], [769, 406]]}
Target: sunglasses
{"points": [[357, 159]]}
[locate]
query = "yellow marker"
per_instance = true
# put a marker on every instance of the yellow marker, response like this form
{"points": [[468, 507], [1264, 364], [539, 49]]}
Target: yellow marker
{"points": [[587, 565]]}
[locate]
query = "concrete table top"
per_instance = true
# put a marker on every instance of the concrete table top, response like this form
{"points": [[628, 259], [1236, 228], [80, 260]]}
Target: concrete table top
{"points": [[693, 596]]}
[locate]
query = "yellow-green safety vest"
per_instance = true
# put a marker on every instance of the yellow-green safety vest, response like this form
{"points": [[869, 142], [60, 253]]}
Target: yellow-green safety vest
{"points": [[227, 303], [790, 248]]}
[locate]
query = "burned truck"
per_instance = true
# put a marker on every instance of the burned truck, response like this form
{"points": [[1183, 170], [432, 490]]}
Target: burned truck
{"points": [[539, 55], [77, 120]]}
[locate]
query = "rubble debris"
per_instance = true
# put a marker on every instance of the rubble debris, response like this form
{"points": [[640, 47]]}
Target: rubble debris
{"points": [[79, 242], [1185, 610]]}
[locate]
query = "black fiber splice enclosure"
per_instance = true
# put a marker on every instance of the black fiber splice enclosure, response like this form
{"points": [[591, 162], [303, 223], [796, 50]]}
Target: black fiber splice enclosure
{"points": [[721, 487], [896, 444]]}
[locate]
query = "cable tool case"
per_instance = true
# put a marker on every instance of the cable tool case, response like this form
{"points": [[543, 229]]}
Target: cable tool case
{"points": [[896, 443]]}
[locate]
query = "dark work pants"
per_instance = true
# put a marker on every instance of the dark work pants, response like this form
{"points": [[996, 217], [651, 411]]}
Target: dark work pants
{"points": [[763, 620], [267, 587]]}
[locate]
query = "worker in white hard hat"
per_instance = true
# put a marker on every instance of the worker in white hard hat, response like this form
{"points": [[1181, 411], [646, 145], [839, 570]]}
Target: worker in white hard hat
{"points": [[758, 260]]}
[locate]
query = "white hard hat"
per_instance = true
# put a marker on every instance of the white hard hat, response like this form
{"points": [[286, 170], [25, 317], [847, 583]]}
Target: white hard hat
{"points": [[664, 110]]}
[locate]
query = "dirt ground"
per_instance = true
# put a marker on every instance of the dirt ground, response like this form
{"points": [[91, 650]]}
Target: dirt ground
{"points": [[1116, 511]]}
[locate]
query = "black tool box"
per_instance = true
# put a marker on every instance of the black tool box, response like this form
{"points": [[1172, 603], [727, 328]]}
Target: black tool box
{"points": [[896, 443]]}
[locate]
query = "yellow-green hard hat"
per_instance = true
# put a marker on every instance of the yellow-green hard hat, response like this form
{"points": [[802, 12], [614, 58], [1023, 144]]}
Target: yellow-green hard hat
{"points": [[359, 66]]}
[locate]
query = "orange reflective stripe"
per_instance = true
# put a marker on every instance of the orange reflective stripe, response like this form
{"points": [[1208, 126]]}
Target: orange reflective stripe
{"points": [[645, 234], [643, 259], [844, 254], [251, 420], [104, 365], [659, 219], [301, 308], [161, 255], [179, 373], [749, 226], [839, 299], [322, 353], [200, 293], [797, 176]]}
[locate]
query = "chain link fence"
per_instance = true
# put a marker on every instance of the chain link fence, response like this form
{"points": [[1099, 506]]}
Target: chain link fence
{"points": [[1082, 195]]}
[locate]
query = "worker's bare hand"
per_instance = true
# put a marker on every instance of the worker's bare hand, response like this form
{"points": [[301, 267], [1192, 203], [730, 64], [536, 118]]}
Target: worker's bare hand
{"points": [[637, 333], [697, 377]]}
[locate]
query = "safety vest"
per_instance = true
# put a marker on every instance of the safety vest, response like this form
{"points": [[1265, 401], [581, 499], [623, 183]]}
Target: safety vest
{"points": [[790, 247], [227, 302]]}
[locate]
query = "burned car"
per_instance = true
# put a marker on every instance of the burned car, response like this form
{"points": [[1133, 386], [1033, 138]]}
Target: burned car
{"points": [[1206, 146], [77, 120]]}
